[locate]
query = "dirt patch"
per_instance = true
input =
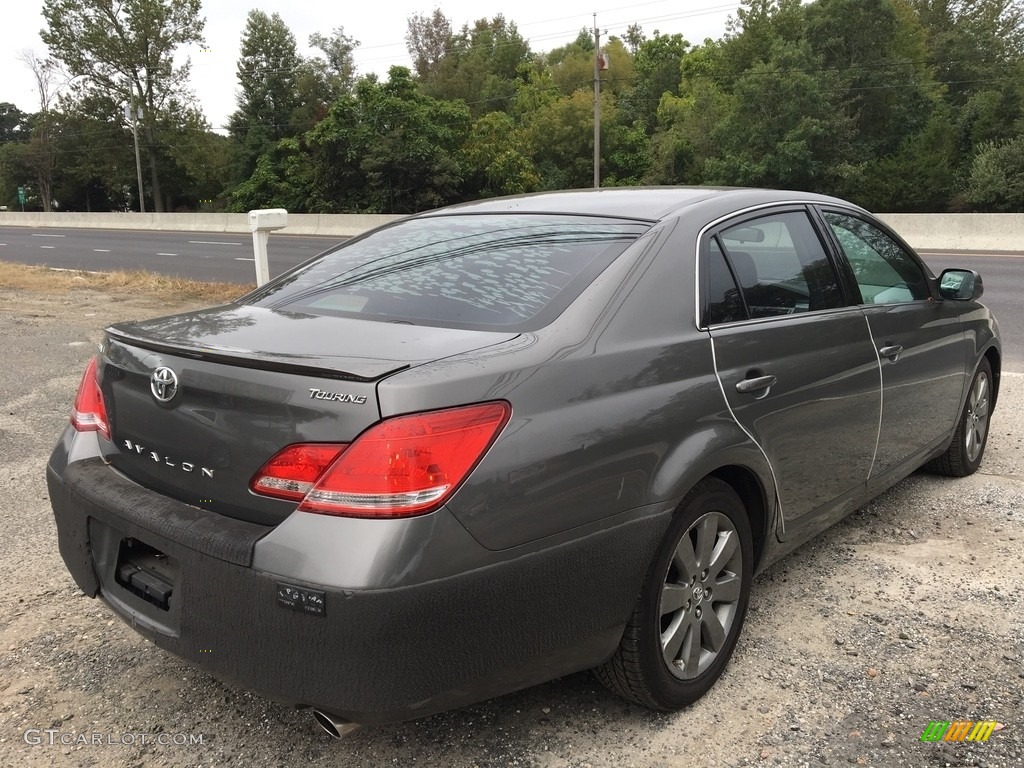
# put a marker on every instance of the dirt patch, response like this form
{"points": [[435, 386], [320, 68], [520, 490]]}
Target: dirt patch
{"points": [[61, 282], [909, 611]]}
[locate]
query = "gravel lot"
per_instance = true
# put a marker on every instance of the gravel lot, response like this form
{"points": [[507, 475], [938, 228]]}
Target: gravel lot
{"points": [[911, 610]]}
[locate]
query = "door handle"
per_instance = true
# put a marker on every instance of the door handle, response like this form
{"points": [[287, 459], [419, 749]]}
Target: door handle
{"points": [[755, 384], [892, 351]]}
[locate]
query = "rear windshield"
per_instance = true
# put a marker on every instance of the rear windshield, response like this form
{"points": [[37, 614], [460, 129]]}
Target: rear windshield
{"points": [[488, 272]]}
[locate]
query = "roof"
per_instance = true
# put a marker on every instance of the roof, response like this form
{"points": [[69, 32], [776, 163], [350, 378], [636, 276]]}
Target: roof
{"points": [[645, 203]]}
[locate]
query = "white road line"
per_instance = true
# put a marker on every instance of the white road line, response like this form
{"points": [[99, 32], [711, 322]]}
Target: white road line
{"points": [[100, 250], [167, 254], [244, 258], [211, 242], [51, 247], [49, 235]]}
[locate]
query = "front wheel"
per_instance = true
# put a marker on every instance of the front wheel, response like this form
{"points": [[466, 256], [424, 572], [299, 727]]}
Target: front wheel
{"points": [[963, 457], [692, 605]]}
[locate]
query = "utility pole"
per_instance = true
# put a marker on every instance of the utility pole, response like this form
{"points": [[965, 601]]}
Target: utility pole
{"points": [[132, 115], [597, 105]]}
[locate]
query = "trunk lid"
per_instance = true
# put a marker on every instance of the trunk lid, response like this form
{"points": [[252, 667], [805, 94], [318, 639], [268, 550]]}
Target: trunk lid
{"points": [[245, 382]]}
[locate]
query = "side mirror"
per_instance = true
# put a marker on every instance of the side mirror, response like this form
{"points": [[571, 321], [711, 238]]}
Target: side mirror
{"points": [[961, 285]]}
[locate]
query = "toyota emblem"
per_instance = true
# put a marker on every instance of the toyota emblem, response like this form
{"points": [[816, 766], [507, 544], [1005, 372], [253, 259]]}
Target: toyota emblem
{"points": [[163, 383]]}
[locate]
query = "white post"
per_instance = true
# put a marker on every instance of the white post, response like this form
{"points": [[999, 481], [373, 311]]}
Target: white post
{"points": [[259, 249], [261, 223]]}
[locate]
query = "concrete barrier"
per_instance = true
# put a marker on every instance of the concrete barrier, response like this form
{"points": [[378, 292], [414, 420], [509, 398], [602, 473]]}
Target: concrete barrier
{"points": [[332, 225], [960, 231], [926, 231]]}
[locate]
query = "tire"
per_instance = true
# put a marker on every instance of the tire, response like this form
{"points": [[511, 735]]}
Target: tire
{"points": [[964, 455], [708, 547]]}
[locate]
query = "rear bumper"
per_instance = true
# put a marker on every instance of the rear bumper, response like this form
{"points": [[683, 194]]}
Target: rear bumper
{"points": [[374, 655]]}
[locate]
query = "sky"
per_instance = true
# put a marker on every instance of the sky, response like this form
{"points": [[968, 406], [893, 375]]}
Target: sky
{"points": [[379, 25]]}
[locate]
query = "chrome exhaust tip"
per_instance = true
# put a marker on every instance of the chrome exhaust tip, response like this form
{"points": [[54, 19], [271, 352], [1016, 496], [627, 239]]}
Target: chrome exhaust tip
{"points": [[337, 727]]}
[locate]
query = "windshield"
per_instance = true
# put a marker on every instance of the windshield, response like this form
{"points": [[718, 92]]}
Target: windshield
{"points": [[488, 272]]}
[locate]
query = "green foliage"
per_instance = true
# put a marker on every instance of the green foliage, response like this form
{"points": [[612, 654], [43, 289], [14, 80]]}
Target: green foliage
{"points": [[900, 105], [919, 177], [13, 123], [559, 137], [494, 163], [785, 128], [754, 32], [878, 55], [657, 66], [429, 41], [626, 154], [387, 148], [267, 72], [14, 173], [481, 65], [336, 67], [996, 180], [126, 51]]}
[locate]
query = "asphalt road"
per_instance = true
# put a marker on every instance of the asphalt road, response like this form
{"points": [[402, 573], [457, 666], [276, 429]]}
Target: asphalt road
{"points": [[228, 258], [193, 255]]}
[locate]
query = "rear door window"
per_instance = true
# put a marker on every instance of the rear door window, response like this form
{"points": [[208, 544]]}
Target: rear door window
{"points": [[780, 265], [488, 272]]}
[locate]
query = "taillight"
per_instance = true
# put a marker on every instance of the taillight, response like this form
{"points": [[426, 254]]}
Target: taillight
{"points": [[89, 413], [407, 465], [292, 471]]}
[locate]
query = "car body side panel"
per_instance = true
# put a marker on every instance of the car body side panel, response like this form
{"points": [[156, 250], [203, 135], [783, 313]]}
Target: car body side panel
{"points": [[981, 336], [572, 453], [819, 422], [604, 408], [924, 385]]}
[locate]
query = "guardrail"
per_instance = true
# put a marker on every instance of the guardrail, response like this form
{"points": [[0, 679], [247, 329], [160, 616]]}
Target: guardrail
{"points": [[941, 231]]}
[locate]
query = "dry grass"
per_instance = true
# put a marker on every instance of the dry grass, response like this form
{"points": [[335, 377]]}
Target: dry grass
{"points": [[44, 279]]}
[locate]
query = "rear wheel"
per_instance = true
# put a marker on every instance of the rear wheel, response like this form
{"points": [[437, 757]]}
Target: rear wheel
{"points": [[690, 611], [963, 457]]}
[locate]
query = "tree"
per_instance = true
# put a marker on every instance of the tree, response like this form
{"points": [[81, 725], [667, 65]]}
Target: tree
{"points": [[560, 136], [481, 64], [15, 130], [972, 42], [786, 127], [96, 168], [388, 148], [878, 52], [267, 100], [634, 38], [428, 40], [495, 160], [656, 62], [996, 182], [12, 123], [572, 66], [337, 67], [39, 155], [126, 49], [754, 31]]}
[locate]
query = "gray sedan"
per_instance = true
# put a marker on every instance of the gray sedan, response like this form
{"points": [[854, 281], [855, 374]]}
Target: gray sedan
{"points": [[501, 442]]}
